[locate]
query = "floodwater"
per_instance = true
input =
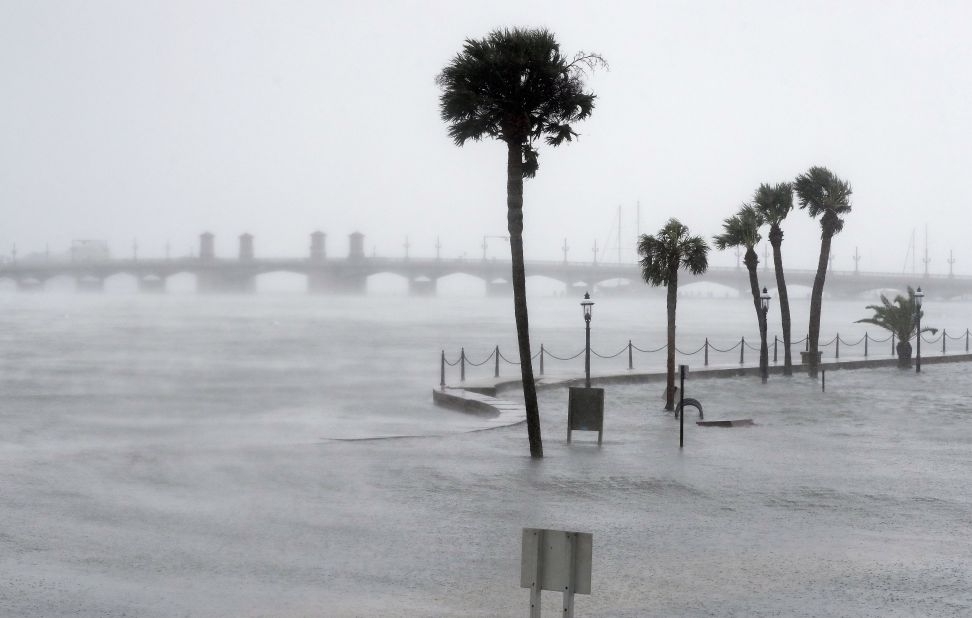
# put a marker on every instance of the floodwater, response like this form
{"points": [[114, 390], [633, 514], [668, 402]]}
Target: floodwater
{"points": [[179, 455]]}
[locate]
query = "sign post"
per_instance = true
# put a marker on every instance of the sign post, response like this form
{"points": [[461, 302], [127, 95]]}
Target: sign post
{"points": [[555, 560], [682, 370]]}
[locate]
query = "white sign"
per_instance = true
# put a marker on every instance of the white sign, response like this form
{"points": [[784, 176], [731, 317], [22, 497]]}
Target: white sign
{"points": [[556, 560]]}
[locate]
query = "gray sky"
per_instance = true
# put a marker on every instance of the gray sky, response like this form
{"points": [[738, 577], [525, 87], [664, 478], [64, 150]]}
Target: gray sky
{"points": [[158, 120]]}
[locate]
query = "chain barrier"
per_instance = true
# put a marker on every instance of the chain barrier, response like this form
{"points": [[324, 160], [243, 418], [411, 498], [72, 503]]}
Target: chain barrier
{"points": [[619, 352], [727, 349], [552, 355], [484, 361], [741, 345], [534, 357], [650, 351], [702, 347]]}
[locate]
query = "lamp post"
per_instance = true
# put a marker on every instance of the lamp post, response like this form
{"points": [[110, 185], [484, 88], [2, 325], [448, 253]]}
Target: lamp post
{"points": [[587, 304], [919, 295], [764, 303]]}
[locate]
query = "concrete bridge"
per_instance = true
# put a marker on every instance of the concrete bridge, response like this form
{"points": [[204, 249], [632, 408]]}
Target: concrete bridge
{"points": [[349, 274]]}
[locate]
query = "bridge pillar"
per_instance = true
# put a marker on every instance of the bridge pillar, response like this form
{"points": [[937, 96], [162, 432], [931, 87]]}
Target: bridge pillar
{"points": [[90, 283], [318, 249], [356, 246], [207, 246], [151, 283], [499, 287], [246, 246], [422, 286]]}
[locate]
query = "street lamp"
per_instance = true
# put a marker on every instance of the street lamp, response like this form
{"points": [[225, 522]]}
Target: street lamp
{"points": [[764, 303], [918, 296], [587, 304]]}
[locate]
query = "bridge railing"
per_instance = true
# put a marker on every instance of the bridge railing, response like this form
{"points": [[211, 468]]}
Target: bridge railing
{"points": [[887, 347]]}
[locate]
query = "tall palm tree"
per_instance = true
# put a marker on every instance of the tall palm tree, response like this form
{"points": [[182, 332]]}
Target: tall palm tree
{"points": [[662, 256], [774, 203], [901, 318], [822, 193], [516, 86], [742, 230]]}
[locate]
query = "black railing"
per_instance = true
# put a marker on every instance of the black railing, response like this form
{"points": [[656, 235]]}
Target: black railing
{"points": [[706, 348]]}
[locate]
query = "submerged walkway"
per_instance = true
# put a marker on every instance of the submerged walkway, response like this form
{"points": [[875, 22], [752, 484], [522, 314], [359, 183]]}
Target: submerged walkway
{"points": [[481, 396]]}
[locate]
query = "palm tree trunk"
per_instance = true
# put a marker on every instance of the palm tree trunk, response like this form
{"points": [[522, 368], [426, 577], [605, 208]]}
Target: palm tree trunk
{"points": [[514, 218], [776, 239], [816, 301], [672, 300], [752, 262]]}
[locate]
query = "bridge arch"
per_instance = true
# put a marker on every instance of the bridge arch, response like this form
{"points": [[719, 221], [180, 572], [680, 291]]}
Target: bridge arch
{"points": [[387, 283], [121, 282], [461, 284], [60, 283], [708, 289], [280, 281], [545, 285]]}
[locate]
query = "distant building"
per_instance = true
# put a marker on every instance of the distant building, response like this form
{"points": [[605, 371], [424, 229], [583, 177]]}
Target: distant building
{"points": [[89, 251]]}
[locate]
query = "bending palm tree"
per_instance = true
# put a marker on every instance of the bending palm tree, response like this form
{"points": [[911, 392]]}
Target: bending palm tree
{"points": [[821, 193], [662, 256], [516, 86], [901, 318], [774, 203], [742, 230]]}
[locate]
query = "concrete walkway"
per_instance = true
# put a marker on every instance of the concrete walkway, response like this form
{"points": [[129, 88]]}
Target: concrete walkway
{"points": [[481, 396]]}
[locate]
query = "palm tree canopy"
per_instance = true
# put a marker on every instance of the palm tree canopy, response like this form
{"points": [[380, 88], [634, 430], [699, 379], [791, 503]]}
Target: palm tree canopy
{"points": [[517, 86], [821, 192], [741, 229], [774, 202], [898, 317], [671, 249]]}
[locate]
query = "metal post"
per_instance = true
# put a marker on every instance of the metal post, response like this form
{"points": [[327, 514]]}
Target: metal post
{"points": [[462, 365], [587, 354], [496, 354], [630, 357], [918, 343], [807, 342], [865, 344], [966, 340], [442, 371], [542, 353], [944, 337], [823, 380], [537, 579], [681, 405], [742, 350], [775, 341], [706, 351], [892, 344], [571, 575], [838, 346]]}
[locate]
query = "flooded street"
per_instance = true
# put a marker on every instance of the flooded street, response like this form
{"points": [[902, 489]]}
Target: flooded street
{"points": [[176, 456]]}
